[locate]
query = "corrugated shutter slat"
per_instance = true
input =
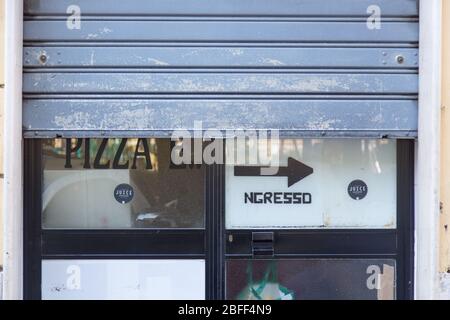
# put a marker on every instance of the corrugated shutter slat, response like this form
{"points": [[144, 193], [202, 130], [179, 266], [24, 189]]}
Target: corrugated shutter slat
{"points": [[305, 67]]}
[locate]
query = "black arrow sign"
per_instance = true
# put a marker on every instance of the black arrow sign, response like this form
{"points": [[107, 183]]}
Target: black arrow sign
{"points": [[295, 171]]}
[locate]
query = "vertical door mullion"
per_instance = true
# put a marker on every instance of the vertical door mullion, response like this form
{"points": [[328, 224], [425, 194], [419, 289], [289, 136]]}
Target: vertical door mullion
{"points": [[405, 219], [215, 192], [32, 219]]}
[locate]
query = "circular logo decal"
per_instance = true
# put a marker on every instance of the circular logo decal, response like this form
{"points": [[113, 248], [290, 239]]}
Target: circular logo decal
{"points": [[357, 189], [124, 193]]}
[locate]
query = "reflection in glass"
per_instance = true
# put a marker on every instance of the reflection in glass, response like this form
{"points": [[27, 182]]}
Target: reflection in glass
{"points": [[118, 183], [307, 279], [352, 183]]}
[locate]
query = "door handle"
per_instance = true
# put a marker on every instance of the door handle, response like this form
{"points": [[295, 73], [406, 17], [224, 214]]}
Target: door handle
{"points": [[262, 244]]}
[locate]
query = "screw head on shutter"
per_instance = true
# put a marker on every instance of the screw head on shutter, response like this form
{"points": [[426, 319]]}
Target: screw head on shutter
{"points": [[400, 59], [43, 58]]}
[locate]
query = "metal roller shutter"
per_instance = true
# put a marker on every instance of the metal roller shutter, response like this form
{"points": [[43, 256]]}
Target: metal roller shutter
{"points": [[141, 68]]}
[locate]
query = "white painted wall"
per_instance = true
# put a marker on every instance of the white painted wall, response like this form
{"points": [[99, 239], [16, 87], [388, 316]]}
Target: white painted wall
{"points": [[12, 141], [428, 152]]}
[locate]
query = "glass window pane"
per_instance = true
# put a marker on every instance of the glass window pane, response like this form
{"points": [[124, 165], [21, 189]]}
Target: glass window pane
{"points": [[118, 183], [320, 183], [305, 279], [123, 279]]}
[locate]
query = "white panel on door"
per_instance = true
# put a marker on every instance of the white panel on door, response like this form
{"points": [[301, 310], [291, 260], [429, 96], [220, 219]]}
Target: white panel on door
{"points": [[321, 183], [123, 279]]}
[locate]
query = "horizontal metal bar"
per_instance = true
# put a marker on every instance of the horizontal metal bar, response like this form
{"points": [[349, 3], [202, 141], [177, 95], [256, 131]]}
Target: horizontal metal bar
{"points": [[376, 134], [218, 83], [228, 70], [173, 31], [240, 44], [314, 256], [166, 115], [119, 17], [259, 97], [223, 7], [121, 256], [219, 57], [320, 242], [133, 242]]}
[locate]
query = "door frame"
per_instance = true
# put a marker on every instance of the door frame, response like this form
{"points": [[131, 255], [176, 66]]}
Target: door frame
{"points": [[80, 244]]}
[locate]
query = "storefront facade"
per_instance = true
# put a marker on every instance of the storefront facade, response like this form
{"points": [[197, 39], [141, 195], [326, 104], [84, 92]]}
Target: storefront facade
{"points": [[135, 231], [112, 90]]}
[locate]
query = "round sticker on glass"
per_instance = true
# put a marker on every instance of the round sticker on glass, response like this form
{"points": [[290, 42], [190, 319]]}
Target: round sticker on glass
{"points": [[357, 189], [124, 193]]}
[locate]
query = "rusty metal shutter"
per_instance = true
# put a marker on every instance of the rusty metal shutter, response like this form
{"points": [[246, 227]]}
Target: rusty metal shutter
{"points": [[135, 67]]}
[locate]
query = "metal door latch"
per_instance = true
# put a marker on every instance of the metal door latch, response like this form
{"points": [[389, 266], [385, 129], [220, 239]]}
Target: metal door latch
{"points": [[262, 243]]}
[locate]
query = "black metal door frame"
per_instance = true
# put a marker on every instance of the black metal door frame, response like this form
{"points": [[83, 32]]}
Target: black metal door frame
{"points": [[210, 244]]}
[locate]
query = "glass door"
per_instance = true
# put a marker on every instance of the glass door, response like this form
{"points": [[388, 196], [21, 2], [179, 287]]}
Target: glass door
{"points": [[327, 224], [118, 220]]}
